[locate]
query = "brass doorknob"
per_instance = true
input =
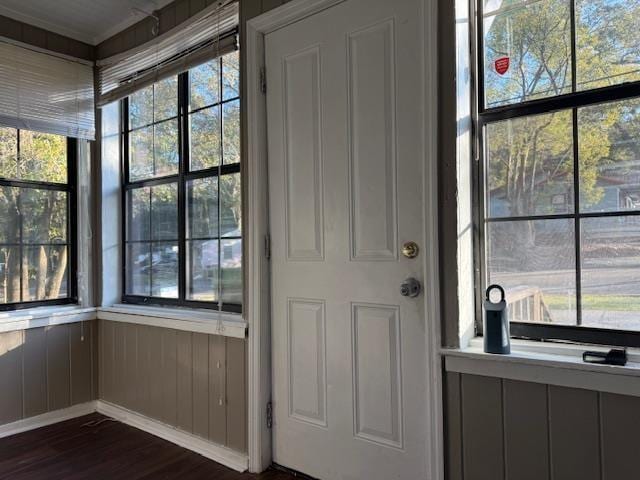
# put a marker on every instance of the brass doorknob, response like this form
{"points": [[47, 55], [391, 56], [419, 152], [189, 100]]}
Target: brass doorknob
{"points": [[410, 249]]}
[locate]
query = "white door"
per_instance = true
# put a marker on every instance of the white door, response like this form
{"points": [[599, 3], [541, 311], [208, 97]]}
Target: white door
{"points": [[344, 102]]}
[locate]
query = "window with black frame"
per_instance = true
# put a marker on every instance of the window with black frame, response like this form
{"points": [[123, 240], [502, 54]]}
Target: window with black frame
{"points": [[37, 219], [559, 165], [183, 232]]}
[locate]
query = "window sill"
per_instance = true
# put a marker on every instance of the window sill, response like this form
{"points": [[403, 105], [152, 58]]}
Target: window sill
{"points": [[191, 320], [44, 316], [553, 364]]}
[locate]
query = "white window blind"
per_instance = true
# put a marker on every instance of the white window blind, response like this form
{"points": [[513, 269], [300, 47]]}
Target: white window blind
{"points": [[206, 35], [46, 93]]}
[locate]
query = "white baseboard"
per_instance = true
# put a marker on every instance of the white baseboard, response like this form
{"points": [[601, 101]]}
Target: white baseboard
{"points": [[217, 453], [48, 418]]}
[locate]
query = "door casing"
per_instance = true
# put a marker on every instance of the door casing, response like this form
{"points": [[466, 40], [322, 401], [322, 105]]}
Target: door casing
{"points": [[257, 308]]}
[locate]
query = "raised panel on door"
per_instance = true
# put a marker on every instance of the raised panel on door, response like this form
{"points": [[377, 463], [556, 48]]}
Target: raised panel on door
{"points": [[304, 215], [306, 323], [372, 159], [377, 373]]}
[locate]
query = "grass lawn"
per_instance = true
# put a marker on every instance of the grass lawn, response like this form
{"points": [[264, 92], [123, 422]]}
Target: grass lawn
{"points": [[612, 303]]}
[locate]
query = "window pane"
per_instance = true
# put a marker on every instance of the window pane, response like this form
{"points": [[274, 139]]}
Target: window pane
{"points": [[202, 270], [138, 214], [231, 76], [164, 270], [231, 252], [535, 263], [231, 207], [166, 148], [205, 138], [8, 152], [44, 216], [530, 166], [231, 132], [110, 119], [138, 269], [46, 273], [611, 272], [527, 50], [141, 154], [609, 141], [9, 215], [608, 42], [164, 212], [165, 101], [204, 83], [141, 108], [202, 208], [9, 274], [43, 157]]}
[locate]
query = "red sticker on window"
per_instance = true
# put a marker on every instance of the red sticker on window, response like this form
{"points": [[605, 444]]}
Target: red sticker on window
{"points": [[502, 65]]}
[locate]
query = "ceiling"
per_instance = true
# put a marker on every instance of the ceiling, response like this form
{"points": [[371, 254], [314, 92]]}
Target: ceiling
{"points": [[90, 21]]}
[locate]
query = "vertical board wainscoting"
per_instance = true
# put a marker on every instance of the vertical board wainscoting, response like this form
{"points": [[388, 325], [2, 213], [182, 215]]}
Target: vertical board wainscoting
{"points": [[194, 382], [500, 429], [47, 369]]}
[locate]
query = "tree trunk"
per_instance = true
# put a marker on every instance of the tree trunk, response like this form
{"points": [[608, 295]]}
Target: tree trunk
{"points": [[43, 267], [58, 275]]}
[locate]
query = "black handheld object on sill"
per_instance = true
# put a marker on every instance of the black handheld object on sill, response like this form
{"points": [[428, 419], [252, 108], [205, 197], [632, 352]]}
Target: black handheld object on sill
{"points": [[496, 324], [612, 357]]}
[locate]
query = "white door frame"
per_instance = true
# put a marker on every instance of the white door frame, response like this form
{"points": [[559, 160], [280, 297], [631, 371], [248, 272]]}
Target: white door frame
{"points": [[258, 275]]}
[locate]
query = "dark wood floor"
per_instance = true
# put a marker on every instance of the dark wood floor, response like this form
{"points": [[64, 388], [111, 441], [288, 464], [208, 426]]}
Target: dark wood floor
{"points": [[95, 447]]}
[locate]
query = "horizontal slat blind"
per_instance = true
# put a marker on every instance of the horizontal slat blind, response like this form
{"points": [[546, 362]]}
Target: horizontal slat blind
{"points": [[45, 93], [202, 37]]}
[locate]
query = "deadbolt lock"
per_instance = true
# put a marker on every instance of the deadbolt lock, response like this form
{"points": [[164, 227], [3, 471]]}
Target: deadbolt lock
{"points": [[410, 249]]}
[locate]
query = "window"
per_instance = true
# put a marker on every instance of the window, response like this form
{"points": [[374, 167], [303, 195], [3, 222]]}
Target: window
{"points": [[183, 231], [558, 130], [37, 219]]}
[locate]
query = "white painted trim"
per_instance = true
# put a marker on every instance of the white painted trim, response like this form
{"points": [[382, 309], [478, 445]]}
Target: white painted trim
{"points": [[217, 453], [435, 410], [44, 317], [258, 303], [554, 365], [45, 419], [210, 322]]}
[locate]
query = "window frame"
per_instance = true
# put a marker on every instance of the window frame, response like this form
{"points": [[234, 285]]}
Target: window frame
{"points": [[182, 178], [481, 118], [70, 188]]}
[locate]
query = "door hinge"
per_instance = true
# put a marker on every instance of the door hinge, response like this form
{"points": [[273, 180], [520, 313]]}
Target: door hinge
{"points": [[267, 246], [263, 79], [269, 414]]}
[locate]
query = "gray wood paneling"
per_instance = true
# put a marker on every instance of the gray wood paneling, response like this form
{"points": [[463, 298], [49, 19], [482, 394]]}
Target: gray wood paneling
{"points": [[542, 432], [217, 389], [34, 363], [620, 423], [526, 431], [193, 381], [184, 381], [574, 433], [45, 369], [58, 368], [80, 362], [236, 382], [10, 376], [201, 385], [38, 37], [453, 426], [482, 428]]}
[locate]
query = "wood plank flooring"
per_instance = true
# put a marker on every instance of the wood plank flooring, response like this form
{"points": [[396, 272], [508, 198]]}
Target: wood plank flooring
{"points": [[95, 447]]}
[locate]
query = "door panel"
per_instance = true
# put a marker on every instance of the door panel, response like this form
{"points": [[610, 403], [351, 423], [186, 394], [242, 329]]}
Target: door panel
{"points": [[345, 188]]}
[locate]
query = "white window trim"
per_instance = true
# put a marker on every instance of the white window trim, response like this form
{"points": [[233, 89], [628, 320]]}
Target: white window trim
{"points": [[37, 317], [547, 363], [186, 319]]}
